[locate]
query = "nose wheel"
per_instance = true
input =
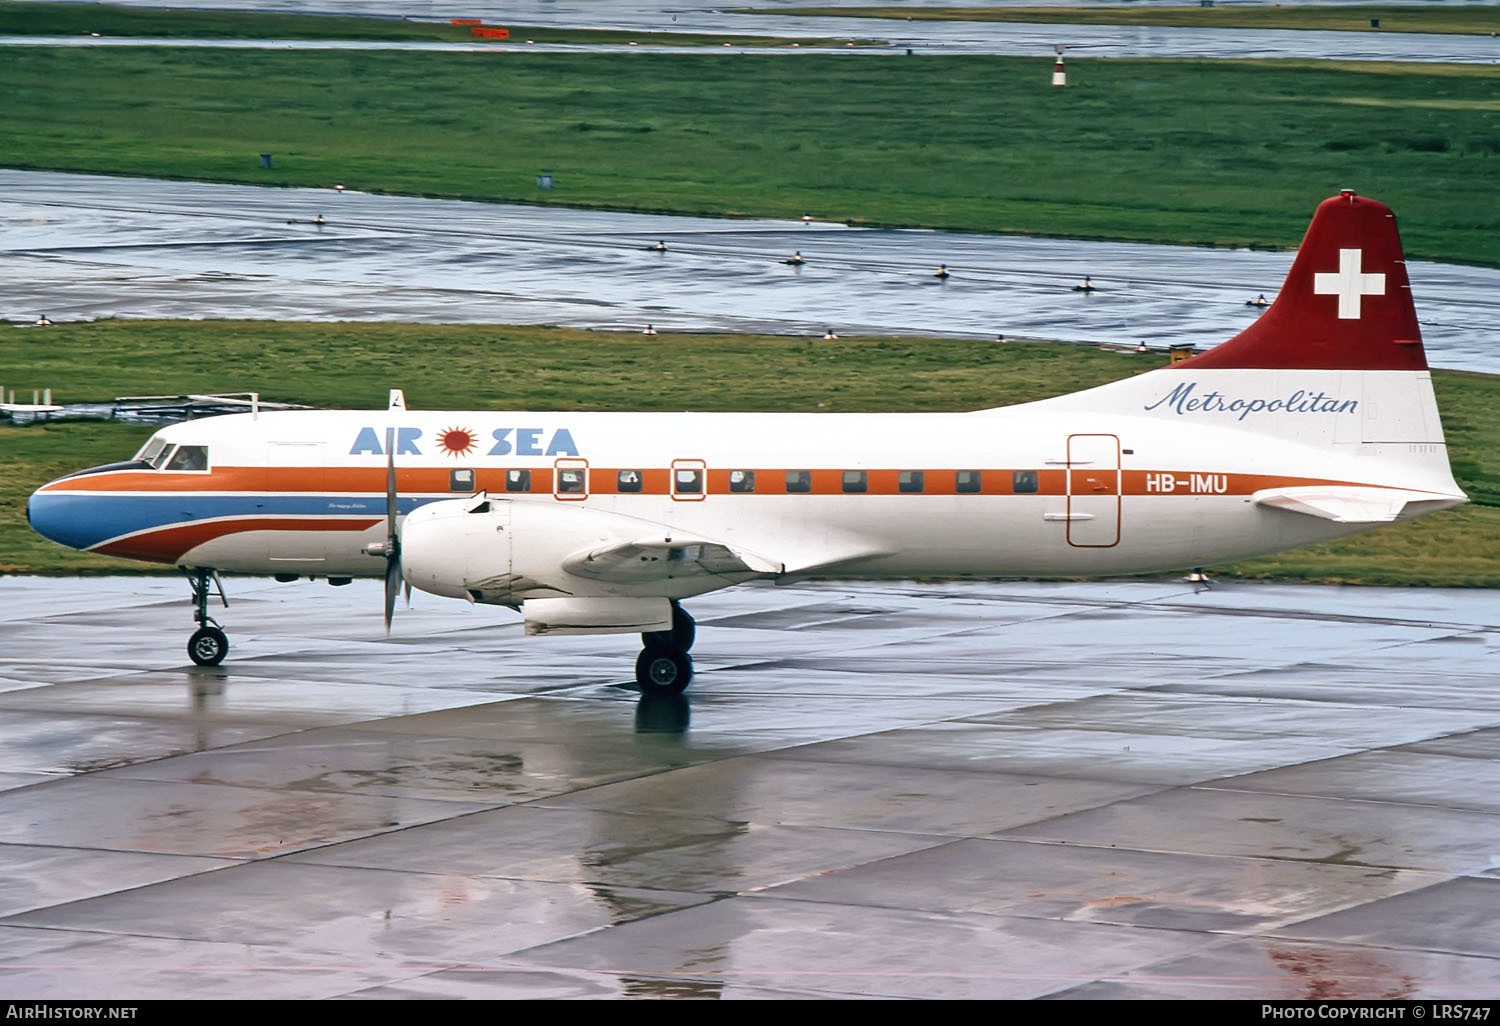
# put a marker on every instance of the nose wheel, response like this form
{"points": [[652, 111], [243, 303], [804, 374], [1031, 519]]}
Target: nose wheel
{"points": [[664, 666], [209, 644]]}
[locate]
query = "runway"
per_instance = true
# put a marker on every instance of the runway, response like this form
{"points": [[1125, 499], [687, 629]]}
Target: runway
{"points": [[89, 246], [925, 38], [981, 790]]}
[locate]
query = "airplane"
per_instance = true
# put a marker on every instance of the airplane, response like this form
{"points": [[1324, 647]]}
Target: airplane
{"points": [[40, 405], [1315, 422]]}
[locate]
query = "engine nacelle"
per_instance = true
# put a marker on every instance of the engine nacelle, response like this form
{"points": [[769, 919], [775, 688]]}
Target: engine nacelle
{"points": [[612, 615], [510, 553], [446, 546]]}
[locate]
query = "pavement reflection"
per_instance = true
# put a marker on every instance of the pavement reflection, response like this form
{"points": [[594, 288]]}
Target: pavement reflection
{"points": [[663, 714]]}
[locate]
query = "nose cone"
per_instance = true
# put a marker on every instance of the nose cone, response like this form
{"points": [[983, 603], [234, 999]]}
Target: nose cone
{"points": [[83, 508], [62, 517]]}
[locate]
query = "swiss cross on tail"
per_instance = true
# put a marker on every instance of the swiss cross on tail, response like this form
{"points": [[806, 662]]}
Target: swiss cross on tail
{"points": [[1349, 284], [1346, 303]]}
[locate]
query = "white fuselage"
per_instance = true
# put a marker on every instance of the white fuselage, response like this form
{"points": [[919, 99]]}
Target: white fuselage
{"points": [[1153, 472]]}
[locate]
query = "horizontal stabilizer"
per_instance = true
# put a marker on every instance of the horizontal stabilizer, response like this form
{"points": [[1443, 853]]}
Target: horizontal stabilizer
{"points": [[1354, 504], [661, 558]]}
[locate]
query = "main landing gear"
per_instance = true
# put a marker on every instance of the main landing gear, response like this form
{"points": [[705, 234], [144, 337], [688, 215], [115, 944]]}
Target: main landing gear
{"points": [[664, 666], [209, 644]]}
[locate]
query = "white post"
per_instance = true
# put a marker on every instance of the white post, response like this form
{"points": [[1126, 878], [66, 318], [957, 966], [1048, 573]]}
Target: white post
{"points": [[1059, 76]]}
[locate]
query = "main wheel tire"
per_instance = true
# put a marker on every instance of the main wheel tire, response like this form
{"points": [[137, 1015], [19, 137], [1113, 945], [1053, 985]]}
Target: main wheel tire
{"points": [[208, 646], [663, 671], [684, 631]]}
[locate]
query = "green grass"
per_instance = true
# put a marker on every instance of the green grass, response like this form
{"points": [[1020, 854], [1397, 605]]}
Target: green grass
{"points": [[508, 367], [1464, 19], [61, 19], [453, 366], [1226, 153], [1457, 548]]}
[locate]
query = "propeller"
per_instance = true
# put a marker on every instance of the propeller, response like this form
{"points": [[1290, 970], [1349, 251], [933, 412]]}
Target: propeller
{"points": [[390, 549], [392, 543]]}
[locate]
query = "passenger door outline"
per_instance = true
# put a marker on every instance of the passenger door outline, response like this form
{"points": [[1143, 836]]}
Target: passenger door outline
{"points": [[1093, 487]]}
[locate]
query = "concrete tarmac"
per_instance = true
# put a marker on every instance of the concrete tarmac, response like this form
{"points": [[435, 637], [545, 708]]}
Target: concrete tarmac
{"points": [[89, 246], [984, 790]]}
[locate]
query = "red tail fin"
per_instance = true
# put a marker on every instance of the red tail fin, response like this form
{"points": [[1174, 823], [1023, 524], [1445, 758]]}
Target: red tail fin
{"points": [[1346, 303]]}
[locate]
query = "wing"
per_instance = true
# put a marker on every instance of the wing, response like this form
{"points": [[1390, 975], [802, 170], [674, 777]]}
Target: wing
{"points": [[668, 557]]}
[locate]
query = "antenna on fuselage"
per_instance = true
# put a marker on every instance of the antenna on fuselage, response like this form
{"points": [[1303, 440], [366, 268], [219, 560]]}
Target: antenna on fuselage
{"points": [[392, 547]]}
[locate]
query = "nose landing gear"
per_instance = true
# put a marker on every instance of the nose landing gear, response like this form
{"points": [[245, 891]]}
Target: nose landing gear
{"points": [[664, 666], [209, 644]]}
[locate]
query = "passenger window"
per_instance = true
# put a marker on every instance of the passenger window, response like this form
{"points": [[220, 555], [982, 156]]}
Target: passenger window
{"points": [[518, 480], [856, 481], [189, 457], [909, 481], [628, 481], [461, 480], [689, 482], [966, 481], [570, 480], [799, 480], [1023, 481], [742, 480]]}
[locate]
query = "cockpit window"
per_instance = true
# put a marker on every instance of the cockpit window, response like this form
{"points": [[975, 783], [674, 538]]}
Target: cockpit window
{"points": [[189, 457], [150, 450]]}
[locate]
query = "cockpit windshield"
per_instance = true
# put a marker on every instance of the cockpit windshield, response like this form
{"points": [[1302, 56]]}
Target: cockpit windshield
{"points": [[163, 455], [152, 449], [189, 457]]}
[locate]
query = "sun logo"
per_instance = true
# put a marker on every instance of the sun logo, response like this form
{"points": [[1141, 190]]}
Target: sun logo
{"points": [[456, 442]]}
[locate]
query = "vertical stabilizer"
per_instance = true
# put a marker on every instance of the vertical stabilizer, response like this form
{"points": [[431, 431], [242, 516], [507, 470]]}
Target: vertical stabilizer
{"points": [[1334, 366], [1346, 303]]}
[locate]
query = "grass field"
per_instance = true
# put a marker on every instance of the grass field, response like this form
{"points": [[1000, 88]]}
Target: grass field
{"points": [[1225, 153], [54, 19], [507, 367], [1465, 19]]}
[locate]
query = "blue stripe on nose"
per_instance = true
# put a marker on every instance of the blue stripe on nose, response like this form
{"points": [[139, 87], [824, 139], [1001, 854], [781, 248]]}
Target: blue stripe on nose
{"points": [[68, 518]]}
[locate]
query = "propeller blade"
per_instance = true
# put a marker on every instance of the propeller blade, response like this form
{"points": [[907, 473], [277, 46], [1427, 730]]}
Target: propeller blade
{"points": [[393, 575], [392, 585], [390, 490]]}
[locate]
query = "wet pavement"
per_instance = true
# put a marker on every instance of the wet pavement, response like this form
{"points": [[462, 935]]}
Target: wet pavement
{"points": [[1071, 790], [1019, 40], [81, 247], [924, 37]]}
